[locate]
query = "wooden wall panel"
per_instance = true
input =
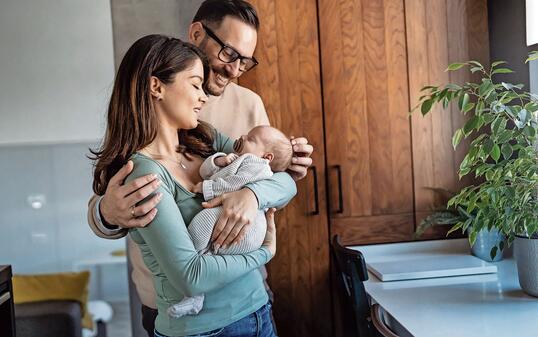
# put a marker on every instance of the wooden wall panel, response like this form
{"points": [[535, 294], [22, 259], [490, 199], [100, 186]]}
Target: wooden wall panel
{"points": [[288, 80], [440, 32]]}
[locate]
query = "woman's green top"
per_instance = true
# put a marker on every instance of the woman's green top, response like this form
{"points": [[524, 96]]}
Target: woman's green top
{"points": [[232, 285]]}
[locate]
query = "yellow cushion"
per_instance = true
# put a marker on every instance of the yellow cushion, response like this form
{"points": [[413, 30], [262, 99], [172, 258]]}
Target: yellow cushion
{"points": [[60, 286]]}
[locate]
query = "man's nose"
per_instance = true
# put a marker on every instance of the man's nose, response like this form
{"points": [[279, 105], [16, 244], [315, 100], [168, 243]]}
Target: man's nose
{"points": [[233, 69]]}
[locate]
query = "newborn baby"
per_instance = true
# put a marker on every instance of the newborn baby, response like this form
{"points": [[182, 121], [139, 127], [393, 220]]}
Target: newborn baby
{"points": [[256, 156]]}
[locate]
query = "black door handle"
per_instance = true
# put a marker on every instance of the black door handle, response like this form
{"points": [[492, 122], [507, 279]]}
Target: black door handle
{"points": [[316, 199], [340, 209]]}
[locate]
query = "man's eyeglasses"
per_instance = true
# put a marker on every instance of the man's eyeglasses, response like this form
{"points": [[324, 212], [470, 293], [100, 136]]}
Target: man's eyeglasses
{"points": [[228, 54]]}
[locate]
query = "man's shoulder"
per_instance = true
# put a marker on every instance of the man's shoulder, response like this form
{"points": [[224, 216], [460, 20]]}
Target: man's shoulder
{"points": [[245, 95]]}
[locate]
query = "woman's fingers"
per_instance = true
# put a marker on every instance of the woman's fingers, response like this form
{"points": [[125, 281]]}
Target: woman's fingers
{"points": [[235, 235]]}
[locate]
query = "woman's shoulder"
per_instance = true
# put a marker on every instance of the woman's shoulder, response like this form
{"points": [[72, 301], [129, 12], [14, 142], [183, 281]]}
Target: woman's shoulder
{"points": [[144, 165]]}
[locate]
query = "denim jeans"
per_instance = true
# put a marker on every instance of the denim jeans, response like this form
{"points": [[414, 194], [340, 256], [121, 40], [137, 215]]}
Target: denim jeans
{"points": [[257, 324]]}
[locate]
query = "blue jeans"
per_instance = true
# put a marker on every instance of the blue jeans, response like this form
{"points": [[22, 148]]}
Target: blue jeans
{"points": [[257, 324]]}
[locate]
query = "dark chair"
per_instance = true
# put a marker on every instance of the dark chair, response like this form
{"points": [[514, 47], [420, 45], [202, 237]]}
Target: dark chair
{"points": [[51, 318], [367, 321]]}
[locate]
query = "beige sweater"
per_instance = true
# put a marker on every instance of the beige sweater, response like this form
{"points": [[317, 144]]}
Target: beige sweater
{"points": [[233, 113]]}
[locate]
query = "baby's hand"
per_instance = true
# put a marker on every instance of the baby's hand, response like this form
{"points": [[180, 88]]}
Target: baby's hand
{"points": [[198, 187], [226, 160]]}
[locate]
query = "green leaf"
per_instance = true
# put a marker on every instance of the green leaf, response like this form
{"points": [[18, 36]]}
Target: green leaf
{"points": [[471, 124], [502, 71], [505, 136], [468, 107], [426, 106], [507, 150], [529, 131], [507, 86], [472, 237], [533, 55], [464, 99], [496, 63], [498, 125], [455, 66], [428, 87], [456, 139], [521, 119], [488, 145], [495, 152]]}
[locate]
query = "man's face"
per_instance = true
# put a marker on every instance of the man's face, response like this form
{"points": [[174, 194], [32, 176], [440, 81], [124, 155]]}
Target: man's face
{"points": [[236, 34]]}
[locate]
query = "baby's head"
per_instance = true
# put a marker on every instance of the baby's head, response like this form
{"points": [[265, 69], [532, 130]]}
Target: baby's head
{"points": [[269, 143]]}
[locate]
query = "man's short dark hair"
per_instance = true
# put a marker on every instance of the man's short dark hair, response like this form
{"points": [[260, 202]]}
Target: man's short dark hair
{"points": [[212, 12]]}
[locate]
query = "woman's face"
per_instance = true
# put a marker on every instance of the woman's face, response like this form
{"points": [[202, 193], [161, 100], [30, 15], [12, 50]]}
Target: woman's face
{"points": [[183, 98]]}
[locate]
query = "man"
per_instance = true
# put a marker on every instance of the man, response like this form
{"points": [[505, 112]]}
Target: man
{"points": [[226, 30]]}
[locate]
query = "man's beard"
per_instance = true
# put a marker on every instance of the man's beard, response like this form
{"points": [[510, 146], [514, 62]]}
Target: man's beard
{"points": [[214, 89]]}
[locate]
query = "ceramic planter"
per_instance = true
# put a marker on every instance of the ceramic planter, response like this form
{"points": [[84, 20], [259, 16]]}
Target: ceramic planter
{"points": [[526, 254], [485, 240]]}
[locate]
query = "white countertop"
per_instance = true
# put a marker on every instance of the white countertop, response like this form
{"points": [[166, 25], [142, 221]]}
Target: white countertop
{"points": [[461, 306]]}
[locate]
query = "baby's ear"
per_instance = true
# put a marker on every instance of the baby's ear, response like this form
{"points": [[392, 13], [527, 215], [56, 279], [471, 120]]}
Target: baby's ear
{"points": [[269, 156]]}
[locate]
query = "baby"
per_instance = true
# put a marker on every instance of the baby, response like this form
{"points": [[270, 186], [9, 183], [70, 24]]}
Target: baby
{"points": [[256, 156]]}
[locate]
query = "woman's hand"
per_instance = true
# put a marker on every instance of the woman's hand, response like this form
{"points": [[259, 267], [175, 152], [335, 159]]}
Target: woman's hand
{"points": [[239, 211], [301, 160], [118, 204], [270, 236]]}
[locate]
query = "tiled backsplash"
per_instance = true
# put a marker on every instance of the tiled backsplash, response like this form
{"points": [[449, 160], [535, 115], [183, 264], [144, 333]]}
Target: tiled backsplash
{"points": [[54, 237]]}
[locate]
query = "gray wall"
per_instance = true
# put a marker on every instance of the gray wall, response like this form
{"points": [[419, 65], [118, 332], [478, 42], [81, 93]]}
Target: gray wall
{"points": [[56, 236], [508, 38], [56, 66], [132, 19]]}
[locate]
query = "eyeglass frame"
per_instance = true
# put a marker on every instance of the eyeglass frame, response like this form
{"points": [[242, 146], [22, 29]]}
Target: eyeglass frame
{"points": [[223, 45]]}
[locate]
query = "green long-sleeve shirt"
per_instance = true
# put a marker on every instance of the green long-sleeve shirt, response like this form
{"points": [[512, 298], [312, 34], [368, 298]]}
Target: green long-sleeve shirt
{"points": [[232, 286]]}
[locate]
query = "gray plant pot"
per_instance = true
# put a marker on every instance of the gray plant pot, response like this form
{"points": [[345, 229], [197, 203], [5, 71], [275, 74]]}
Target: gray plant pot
{"points": [[526, 254], [485, 240]]}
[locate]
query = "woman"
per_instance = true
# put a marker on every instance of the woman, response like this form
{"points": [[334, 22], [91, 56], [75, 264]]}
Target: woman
{"points": [[152, 120]]}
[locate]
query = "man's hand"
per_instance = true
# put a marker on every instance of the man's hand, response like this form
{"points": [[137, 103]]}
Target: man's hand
{"points": [[118, 204], [270, 235], [239, 211], [301, 160]]}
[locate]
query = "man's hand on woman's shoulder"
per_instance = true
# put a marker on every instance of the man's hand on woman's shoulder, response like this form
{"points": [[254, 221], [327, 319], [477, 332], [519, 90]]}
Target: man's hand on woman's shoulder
{"points": [[118, 207], [301, 160]]}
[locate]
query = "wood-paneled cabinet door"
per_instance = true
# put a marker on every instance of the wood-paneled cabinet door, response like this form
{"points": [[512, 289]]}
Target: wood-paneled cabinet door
{"points": [[367, 126], [288, 80]]}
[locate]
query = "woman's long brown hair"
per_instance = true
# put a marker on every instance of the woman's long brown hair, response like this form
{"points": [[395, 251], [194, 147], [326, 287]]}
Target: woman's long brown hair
{"points": [[132, 123]]}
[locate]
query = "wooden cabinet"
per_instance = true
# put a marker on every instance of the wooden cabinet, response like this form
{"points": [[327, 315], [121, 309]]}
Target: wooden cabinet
{"points": [[366, 104], [345, 74]]}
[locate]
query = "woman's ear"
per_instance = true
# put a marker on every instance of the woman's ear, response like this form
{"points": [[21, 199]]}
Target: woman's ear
{"points": [[196, 33], [269, 156], [156, 88]]}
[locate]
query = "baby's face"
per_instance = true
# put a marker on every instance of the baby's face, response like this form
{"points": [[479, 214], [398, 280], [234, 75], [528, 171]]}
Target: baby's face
{"points": [[253, 142]]}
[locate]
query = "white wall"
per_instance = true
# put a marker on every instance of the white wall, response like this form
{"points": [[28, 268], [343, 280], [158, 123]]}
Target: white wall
{"points": [[57, 68]]}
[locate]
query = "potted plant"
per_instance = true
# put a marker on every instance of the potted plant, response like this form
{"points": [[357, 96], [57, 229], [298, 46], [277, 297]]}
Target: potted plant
{"points": [[503, 158], [486, 241]]}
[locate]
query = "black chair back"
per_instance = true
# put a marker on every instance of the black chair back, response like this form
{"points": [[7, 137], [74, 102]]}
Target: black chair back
{"points": [[352, 272]]}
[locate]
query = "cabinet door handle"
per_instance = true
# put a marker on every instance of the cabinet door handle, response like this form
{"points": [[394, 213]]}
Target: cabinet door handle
{"points": [[316, 199], [4, 297], [340, 209]]}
